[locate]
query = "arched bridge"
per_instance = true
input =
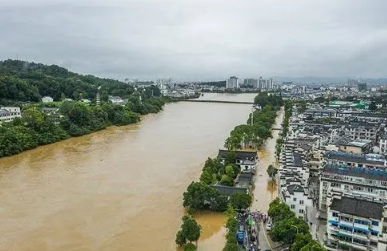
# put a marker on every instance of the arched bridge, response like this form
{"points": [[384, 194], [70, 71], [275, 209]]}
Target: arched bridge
{"points": [[216, 101]]}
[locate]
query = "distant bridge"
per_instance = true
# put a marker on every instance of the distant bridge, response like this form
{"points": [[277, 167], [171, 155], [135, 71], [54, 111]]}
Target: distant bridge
{"points": [[217, 101]]}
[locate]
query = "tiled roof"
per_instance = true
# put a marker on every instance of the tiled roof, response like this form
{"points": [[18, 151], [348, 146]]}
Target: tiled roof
{"points": [[239, 154], [228, 191], [357, 207]]}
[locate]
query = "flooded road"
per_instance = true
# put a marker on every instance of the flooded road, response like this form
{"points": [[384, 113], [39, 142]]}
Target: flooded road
{"points": [[118, 189], [265, 189]]}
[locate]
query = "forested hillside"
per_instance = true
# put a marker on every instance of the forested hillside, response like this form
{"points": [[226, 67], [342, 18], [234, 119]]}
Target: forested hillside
{"points": [[26, 81]]}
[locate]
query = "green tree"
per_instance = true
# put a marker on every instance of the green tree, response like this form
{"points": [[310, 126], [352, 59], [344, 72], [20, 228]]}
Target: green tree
{"points": [[272, 171], [279, 211], [313, 246], [33, 118], [200, 196], [191, 229], [240, 200], [301, 241], [189, 247], [230, 171], [180, 238], [226, 180], [206, 177], [285, 230]]}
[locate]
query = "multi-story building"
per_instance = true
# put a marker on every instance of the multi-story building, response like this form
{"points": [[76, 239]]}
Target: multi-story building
{"points": [[252, 82], [363, 183], [364, 130], [355, 224], [296, 197], [383, 144], [232, 83], [372, 161], [7, 114]]}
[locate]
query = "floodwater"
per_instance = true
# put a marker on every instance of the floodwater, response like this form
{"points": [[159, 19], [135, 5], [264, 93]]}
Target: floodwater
{"points": [[265, 188], [118, 189]]}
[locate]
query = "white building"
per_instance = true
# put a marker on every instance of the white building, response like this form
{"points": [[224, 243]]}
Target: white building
{"points": [[296, 197], [7, 114], [253, 82], [383, 144], [244, 159], [47, 99], [116, 100], [355, 224], [232, 83], [363, 183]]}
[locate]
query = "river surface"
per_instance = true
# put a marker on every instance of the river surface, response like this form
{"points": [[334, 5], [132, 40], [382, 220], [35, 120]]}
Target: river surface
{"points": [[121, 188]]}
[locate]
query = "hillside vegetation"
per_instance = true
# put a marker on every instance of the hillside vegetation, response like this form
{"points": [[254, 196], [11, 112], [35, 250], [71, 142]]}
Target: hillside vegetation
{"points": [[25, 83]]}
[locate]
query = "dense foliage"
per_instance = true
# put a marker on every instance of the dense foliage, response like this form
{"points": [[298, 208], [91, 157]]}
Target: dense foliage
{"points": [[240, 200], [189, 231], [216, 172], [263, 99], [285, 126], [72, 119], [232, 228], [200, 196], [253, 136], [23, 82], [26, 81], [289, 229]]}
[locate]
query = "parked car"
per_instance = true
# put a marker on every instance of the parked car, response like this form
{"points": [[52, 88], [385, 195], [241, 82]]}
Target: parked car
{"points": [[268, 226]]}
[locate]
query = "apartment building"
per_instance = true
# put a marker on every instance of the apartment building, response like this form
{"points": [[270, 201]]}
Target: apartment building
{"points": [[355, 224], [373, 161], [364, 183]]}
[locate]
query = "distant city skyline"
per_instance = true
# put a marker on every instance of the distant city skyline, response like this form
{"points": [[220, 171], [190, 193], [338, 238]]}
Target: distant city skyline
{"points": [[197, 40]]}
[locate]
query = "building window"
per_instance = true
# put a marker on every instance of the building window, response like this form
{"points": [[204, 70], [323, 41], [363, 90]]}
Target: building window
{"points": [[294, 199], [292, 206], [370, 190], [334, 214], [362, 222], [301, 202], [301, 211], [375, 223]]}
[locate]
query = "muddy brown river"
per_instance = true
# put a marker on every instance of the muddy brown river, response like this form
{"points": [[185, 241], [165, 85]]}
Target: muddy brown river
{"points": [[121, 188]]}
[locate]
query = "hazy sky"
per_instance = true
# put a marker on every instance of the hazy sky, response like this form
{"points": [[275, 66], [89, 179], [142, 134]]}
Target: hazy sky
{"points": [[199, 39]]}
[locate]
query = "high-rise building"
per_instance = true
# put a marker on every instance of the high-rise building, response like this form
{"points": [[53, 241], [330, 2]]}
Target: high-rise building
{"points": [[232, 83], [252, 82]]}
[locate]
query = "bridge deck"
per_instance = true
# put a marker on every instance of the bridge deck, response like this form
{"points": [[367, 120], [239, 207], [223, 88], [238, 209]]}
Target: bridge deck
{"points": [[217, 101]]}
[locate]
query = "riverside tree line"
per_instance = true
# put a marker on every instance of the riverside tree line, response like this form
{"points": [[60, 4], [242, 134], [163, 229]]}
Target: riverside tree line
{"points": [[202, 196]]}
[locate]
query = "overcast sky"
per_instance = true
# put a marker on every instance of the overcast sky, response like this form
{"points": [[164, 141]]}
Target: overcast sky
{"points": [[199, 39]]}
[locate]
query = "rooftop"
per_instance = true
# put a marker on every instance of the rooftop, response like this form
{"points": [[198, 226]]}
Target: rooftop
{"points": [[358, 158], [356, 172], [228, 191], [239, 154], [357, 207], [295, 189]]}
